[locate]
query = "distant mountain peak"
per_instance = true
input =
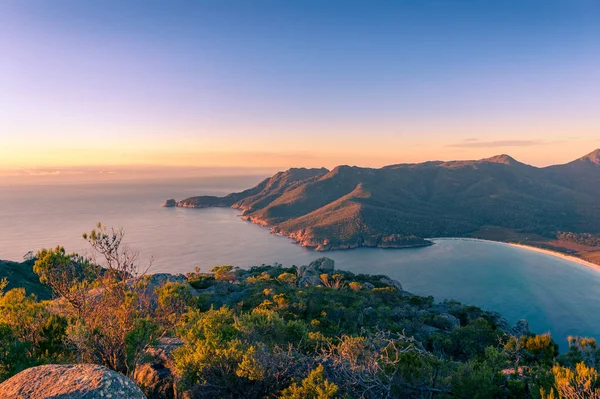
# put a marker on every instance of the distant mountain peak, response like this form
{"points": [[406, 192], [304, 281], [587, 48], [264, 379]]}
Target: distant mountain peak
{"points": [[593, 157], [503, 159]]}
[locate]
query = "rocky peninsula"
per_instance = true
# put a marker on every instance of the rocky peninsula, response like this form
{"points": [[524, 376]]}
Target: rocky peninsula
{"points": [[401, 206]]}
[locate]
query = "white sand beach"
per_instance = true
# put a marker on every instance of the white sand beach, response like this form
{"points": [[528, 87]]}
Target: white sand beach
{"points": [[557, 254]]}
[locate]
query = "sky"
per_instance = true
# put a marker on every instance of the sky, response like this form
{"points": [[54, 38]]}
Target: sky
{"points": [[281, 83]]}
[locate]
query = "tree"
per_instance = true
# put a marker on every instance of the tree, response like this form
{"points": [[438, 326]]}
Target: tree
{"points": [[355, 286], [111, 308], [173, 300], [120, 260], [29, 333], [69, 275], [381, 365], [581, 350], [335, 281], [287, 278], [481, 378], [581, 383], [539, 349], [314, 386], [226, 273]]}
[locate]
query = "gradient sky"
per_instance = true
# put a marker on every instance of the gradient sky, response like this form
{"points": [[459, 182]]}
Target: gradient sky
{"points": [[296, 83]]}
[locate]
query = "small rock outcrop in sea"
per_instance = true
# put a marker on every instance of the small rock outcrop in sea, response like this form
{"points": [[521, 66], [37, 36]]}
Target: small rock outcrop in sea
{"points": [[310, 275], [81, 381], [170, 203]]}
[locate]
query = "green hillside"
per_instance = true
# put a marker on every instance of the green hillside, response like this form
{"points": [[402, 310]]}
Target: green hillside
{"points": [[22, 275]]}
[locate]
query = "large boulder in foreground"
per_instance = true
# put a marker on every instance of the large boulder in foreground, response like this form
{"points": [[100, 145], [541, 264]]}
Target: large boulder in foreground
{"points": [[80, 381]]}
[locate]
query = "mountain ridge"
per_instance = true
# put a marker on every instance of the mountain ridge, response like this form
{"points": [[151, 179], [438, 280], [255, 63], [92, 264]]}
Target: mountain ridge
{"points": [[593, 157], [401, 205]]}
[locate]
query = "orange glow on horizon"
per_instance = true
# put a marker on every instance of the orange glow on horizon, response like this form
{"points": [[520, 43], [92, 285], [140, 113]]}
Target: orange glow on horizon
{"points": [[368, 154]]}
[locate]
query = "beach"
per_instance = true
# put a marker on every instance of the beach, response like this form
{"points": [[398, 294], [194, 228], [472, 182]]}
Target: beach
{"points": [[556, 254]]}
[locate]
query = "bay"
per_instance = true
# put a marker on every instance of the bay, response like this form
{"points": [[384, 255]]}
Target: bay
{"points": [[554, 294]]}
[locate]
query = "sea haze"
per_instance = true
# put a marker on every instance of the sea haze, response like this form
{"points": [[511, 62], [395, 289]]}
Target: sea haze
{"points": [[553, 294]]}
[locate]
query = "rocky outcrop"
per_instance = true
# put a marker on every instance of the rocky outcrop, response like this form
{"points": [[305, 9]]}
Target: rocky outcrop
{"points": [[368, 286], [156, 373], [518, 330], [170, 203], [398, 206], [521, 328], [310, 275], [308, 240], [152, 282], [392, 283], [452, 321], [82, 381]]}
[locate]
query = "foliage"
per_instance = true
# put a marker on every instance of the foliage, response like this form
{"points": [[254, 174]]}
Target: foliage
{"points": [[112, 318], [255, 334], [21, 275], [467, 342], [580, 383], [69, 275], [314, 386], [287, 278], [225, 273], [29, 333], [587, 239], [581, 350]]}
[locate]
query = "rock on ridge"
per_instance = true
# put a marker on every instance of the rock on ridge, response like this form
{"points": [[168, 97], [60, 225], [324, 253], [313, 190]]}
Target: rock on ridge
{"points": [[310, 275], [80, 381], [392, 283]]}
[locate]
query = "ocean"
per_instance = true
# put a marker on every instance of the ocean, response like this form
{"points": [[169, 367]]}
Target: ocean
{"points": [[554, 294]]}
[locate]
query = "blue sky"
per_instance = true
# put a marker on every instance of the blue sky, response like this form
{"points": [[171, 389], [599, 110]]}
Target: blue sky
{"points": [[293, 83]]}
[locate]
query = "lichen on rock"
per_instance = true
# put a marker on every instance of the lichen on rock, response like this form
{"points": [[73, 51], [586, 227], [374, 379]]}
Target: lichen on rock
{"points": [[81, 381]]}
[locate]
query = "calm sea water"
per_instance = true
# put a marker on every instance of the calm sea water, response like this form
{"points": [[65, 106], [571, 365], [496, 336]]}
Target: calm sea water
{"points": [[553, 294]]}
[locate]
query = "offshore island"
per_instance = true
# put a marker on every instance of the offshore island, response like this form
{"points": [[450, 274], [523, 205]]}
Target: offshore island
{"points": [[400, 206]]}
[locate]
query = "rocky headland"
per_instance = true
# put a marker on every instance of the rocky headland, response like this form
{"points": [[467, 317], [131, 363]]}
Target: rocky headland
{"points": [[400, 206]]}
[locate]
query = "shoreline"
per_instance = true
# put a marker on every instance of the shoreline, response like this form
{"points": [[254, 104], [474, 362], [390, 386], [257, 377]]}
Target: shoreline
{"points": [[317, 248], [550, 252]]}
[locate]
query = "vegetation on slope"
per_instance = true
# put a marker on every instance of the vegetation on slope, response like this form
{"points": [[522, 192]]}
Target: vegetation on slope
{"points": [[22, 275], [402, 205], [589, 240], [273, 331]]}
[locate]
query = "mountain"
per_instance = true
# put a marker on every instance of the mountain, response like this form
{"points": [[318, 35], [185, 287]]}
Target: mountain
{"points": [[593, 158], [273, 186], [582, 174], [401, 205]]}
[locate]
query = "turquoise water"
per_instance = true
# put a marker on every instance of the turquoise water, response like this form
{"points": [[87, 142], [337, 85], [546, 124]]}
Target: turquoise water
{"points": [[553, 294]]}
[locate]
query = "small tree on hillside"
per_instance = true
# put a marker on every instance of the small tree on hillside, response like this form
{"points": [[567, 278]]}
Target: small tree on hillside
{"points": [[114, 317], [69, 275]]}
